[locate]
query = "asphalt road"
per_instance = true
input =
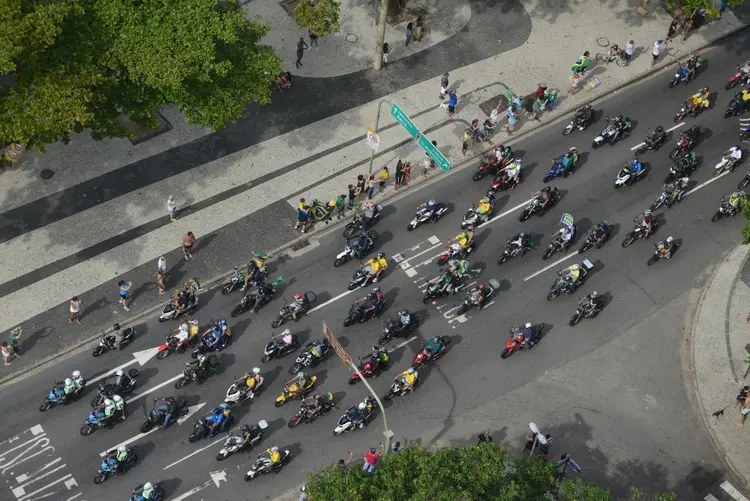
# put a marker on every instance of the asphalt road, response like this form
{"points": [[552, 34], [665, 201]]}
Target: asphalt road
{"points": [[609, 390]]}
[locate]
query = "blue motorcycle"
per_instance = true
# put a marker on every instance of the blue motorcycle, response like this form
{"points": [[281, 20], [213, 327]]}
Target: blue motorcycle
{"points": [[95, 421], [55, 397], [562, 166], [682, 75], [107, 470]]}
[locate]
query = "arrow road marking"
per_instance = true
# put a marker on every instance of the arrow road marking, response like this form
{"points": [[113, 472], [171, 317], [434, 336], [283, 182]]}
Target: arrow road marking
{"points": [[140, 357], [191, 410], [153, 389], [192, 491]]}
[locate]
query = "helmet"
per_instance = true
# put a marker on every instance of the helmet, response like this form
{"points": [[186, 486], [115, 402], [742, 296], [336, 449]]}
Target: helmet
{"points": [[431, 203], [647, 212], [485, 200], [362, 406], [273, 450], [594, 294], [118, 373], [528, 325], [223, 321], [670, 240], [201, 358], [410, 370], [298, 296], [572, 149], [517, 161], [68, 381], [77, 374], [108, 402], [470, 227], [376, 289], [122, 449], [381, 255], [481, 286], [403, 313], [256, 370], [462, 235], [286, 332], [148, 485]]}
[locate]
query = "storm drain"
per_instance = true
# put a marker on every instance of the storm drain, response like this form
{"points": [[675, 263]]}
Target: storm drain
{"points": [[300, 245]]}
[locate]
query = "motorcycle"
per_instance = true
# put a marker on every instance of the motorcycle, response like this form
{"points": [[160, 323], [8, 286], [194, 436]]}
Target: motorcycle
{"points": [[357, 314], [202, 429], [435, 289], [488, 165], [658, 254], [686, 141], [540, 207], [257, 299], [106, 470], [422, 356], [593, 241], [236, 281], [745, 134], [666, 199], [745, 181], [397, 391], [658, 142], [512, 346], [582, 313], [353, 250], [454, 251], [307, 359], [557, 244], [233, 443], [579, 124], [725, 210], [563, 286], [277, 349], [626, 176], [471, 300], [237, 395], [172, 344], [156, 417], [392, 330], [727, 163], [303, 413], [422, 216], [369, 368], [472, 218], [358, 222], [738, 78], [107, 342], [558, 169], [513, 250], [93, 422], [158, 494], [213, 362], [686, 110], [361, 278], [292, 392], [501, 183], [682, 75], [107, 390], [168, 312], [345, 424], [611, 133], [286, 312], [259, 466], [735, 106], [638, 232], [203, 348], [683, 167], [56, 396]]}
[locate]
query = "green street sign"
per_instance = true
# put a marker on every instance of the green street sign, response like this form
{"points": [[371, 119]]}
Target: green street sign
{"points": [[405, 121], [434, 153]]}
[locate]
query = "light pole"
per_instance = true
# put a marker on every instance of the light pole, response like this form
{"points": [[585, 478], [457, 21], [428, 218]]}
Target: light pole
{"points": [[538, 437], [377, 124]]}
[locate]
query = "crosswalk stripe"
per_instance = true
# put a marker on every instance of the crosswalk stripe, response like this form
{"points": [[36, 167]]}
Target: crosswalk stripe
{"points": [[710, 498], [729, 489]]}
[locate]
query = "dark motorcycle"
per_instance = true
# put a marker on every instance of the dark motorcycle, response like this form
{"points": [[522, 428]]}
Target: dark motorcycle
{"points": [[580, 123], [107, 342], [563, 286], [358, 313], [745, 181], [488, 165], [353, 250], [106, 470], [667, 199], [725, 210], [436, 289], [106, 390], [613, 133], [93, 422], [558, 245], [158, 495], [358, 222], [361, 278], [557, 168], [596, 237], [202, 429], [735, 106], [422, 216], [653, 144], [156, 416], [169, 311], [277, 349], [191, 373], [236, 281], [687, 141], [539, 206], [307, 359], [263, 465], [256, 299], [682, 167], [638, 232], [234, 443], [304, 414], [473, 295], [394, 328], [501, 183], [345, 424], [512, 345], [586, 313], [286, 312], [513, 249]]}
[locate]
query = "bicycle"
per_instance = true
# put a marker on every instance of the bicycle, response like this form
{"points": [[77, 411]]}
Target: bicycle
{"points": [[607, 57]]}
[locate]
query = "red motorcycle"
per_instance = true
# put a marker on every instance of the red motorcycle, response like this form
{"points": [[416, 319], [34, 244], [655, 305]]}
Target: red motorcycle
{"points": [[512, 345], [737, 78], [454, 251], [500, 183], [368, 369], [686, 141], [487, 166], [423, 355]]}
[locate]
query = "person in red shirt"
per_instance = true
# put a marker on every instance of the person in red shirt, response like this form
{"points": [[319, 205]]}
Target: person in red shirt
{"points": [[372, 458]]}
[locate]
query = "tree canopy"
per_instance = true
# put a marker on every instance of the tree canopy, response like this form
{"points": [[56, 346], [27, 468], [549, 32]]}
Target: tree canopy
{"points": [[690, 6], [321, 16], [76, 64], [461, 473]]}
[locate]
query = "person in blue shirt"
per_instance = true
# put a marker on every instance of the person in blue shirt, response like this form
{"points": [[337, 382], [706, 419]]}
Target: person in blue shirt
{"points": [[635, 166], [567, 160], [452, 102]]}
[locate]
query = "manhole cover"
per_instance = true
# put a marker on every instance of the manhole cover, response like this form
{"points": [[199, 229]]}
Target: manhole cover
{"points": [[46, 174], [351, 37], [300, 245]]}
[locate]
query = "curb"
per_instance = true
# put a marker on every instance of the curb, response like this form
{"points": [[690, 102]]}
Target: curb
{"points": [[413, 186], [703, 413]]}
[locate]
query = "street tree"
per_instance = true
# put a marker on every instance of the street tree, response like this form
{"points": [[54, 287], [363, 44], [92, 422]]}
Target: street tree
{"points": [[691, 6], [76, 64], [746, 226], [320, 16]]}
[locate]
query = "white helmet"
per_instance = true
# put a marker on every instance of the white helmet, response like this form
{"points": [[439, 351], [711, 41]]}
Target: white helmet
{"points": [[572, 149], [411, 370], [68, 381], [528, 325], [286, 332], [118, 373], [362, 406], [256, 370], [108, 402], [76, 374], [201, 358], [274, 449], [122, 448], [147, 486]]}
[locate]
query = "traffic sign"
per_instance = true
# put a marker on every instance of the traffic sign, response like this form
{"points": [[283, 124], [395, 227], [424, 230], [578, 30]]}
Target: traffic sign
{"points": [[404, 120], [574, 465], [373, 141], [340, 351], [434, 153]]}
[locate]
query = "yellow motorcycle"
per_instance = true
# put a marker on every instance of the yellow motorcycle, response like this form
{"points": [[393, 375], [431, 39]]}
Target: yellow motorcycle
{"points": [[292, 391]]}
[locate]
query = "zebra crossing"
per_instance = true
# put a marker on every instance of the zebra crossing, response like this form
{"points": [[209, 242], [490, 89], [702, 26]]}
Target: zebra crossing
{"points": [[725, 492]]}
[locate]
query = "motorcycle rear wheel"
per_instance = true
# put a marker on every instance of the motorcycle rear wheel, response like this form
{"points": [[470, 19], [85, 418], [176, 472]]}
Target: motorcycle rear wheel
{"points": [[237, 311], [730, 84], [427, 299], [442, 260], [193, 438], [463, 309], [717, 216], [574, 319], [181, 383], [654, 258], [99, 350], [478, 175], [547, 253], [567, 130]]}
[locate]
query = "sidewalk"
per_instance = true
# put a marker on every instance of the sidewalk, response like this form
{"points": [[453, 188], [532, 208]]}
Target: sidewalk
{"points": [[89, 249], [718, 352]]}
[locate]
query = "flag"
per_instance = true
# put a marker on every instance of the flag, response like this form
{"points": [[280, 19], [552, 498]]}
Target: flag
{"points": [[567, 220]]}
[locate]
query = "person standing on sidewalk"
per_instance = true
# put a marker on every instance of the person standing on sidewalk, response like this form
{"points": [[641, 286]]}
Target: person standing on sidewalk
{"points": [[301, 46], [371, 183], [656, 51], [313, 38], [75, 310], [629, 49], [161, 264], [361, 182], [171, 208], [443, 86], [452, 102], [371, 459], [399, 174], [409, 32], [352, 195], [722, 7], [124, 288], [686, 30], [672, 31], [188, 240], [161, 283], [5, 352], [384, 176], [14, 338]]}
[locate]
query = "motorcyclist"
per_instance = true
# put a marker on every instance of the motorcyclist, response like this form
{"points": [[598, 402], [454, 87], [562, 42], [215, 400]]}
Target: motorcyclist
{"points": [[247, 435], [734, 155], [522, 335], [317, 404], [543, 195], [378, 357], [503, 154], [587, 303], [513, 172], [78, 382], [370, 302], [653, 136], [565, 236], [271, 458], [284, 339], [217, 336], [676, 189], [119, 407], [599, 231], [201, 366], [109, 410], [582, 116], [218, 419], [370, 212], [120, 456], [465, 239], [479, 294], [181, 334], [665, 247], [375, 267], [69, 389], [362, 245], [737, 200], [520, 241], [122, 381], [618, 122], [168, 409], [407, 379], [250, 380], [301, 380], [690, 158], [456, 271], [144, 492], [484, 207], [645, 220], [634, 166], [571, 274], [181, 303], [432, 206], [699, 100], [316, 349], [255, 269], [568, 160], [401, 321], [693, 63], [432, 347], [357, 414], [299, 305], [744, 96]]}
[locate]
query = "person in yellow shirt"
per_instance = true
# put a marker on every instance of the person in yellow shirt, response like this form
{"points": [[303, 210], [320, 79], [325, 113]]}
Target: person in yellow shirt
{"points": [[465, 238], [407, 379], [745, 99], [699, 100], [384, 175], [484, 206], [376, 266]]}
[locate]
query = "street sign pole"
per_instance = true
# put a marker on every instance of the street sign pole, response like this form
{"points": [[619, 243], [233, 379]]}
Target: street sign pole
{"points": [[344, 356], [377, 124]]}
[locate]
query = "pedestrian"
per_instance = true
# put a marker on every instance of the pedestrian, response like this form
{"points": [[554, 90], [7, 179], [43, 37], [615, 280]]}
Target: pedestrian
{"points": [[301, 46], [5, 352], [722, 7], [629, 49], [313, 38], [384, 175], [742, 397], [428, 162], [371, 183], [510, 127], [658, 47], [160, 283], [672, 31], [75, 310], [303, 494], [361, 182], [124, 288], [188, 240], [744, 411], [386, 51], [371, 459], [396, 447], [303, 218], [406, 173], [541, 89], [161, 264], [443, 85], [518, 103], [418, 29], [575, 80], [14, 338], [582, 63], [399, 174], [452, 102], [171, 207], [352, 195], [686, 30], [484, 437], [341, 465], [409, 32]]}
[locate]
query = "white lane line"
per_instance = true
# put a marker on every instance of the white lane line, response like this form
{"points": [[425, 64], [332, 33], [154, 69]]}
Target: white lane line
{"points": [[710, 498], [128, 441], [703, 185], [411, 272], [729, 488], [192, 491], [330, 301], [509, 211], [563, 259], [215, 442], [153, 389], [405, 263], [427, 261], [403, 343], [668, 130]]}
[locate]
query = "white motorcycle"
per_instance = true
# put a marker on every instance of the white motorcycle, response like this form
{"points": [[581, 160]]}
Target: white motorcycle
{"points": [[626, 177], [727, 163], [236, 395], [168, 312], [232, 443], [345, 424], [423, 216]]}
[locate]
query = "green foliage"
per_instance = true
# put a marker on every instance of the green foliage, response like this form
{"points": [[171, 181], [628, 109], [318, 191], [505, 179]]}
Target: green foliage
{"points": [[746, 227], [462, 473], [321, 16], [77, 64], [690, 6]]}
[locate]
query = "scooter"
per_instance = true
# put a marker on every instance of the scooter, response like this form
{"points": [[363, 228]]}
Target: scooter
{"points": [[626, 177], [275, 349], [107, 342], [423, 356], [237, 395], [512, 346], [579, 124], [345, 424], [357, 314], [422, 216], [259, 467], [168, 312], [233, 442]]}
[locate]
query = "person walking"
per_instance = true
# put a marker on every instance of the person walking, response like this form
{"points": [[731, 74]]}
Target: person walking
{"points": [[342, 465], [384, 176], [361, 182], [5, 352], [75, 310], [444, 82], [409, 32], [160, 282], [171, 208], [161, 264], [629, 50], [452, 102], [14, 340], [656, 51], [399, 174], [188, 240], [301, 46], [313, 38], [744, 411], [124, 288], [371, 459], [672, 30], [510, 127]]}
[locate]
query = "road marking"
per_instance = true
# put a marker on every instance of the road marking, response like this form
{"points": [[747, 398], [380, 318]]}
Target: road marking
{"points": [[411, 272], [428, 260], [128, 441], [191, 410], [729, 489], [218, 477], [192, 491], [403, 343], [330, 301], [215, 442], [153, 389], [569, 256], [140, 357], [703, 185], [433, 240], [509, 211], [668, 130], [710, 498], [405, 263]]}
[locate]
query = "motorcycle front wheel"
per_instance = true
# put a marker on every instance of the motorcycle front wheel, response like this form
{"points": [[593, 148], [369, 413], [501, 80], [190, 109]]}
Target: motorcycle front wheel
{"points": [[294, 422], [276, 323], [654, 258], [463, 309], [295, 368], [629, 239], [586, 245], [100, 478], [547, 253], [505, 353], [348, 322], [99, 350], [745, 181], [717, 216], [237, 311], [350, 230], [45, 406], [552, 295], [87, 430], [340, 261], [574, 319]]}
